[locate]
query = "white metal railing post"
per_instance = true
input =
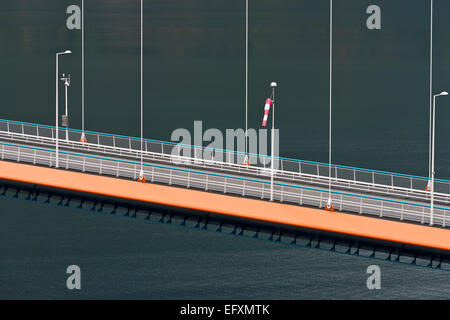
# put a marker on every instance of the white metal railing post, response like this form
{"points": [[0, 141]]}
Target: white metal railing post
{"points": [[361, 205], [403, 208], [381, 209], [189, 179], [444, 216], [225, 186], [423, 215], [262, 190]]}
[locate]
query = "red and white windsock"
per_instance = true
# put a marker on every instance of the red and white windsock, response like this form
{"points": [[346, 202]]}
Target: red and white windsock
{"points": [[266, 111]]}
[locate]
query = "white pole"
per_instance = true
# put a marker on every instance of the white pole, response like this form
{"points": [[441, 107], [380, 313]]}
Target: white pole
{"points": [[246, 79], [56, 112], [272, 145], [432, 162], [273, 85], [444, 93], [66, 85], [57, 106], [331, 92], [431, 91], [142, 86], [82, 72]]}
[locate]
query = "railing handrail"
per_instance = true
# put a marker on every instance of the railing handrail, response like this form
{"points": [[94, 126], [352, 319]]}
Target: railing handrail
{"points": [[226, 176], [231, 151]]}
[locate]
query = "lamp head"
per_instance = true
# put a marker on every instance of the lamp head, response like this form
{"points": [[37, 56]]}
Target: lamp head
{"points": [[444, 93], [273, 85]]}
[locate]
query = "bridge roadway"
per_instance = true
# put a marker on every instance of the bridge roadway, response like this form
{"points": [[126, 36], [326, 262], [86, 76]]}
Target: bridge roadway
{"points": [[273, 212], [233, 170], [396, 202]]}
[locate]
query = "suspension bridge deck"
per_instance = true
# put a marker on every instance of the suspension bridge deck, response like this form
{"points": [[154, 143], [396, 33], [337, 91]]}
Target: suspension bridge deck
{"points": [[278, 213]]}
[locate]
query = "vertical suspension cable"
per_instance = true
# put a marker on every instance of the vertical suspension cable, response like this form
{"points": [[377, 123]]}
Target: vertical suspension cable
{"points": [[246, 77], [142, 81], [82, 68], [431, 91], [331, 90]]}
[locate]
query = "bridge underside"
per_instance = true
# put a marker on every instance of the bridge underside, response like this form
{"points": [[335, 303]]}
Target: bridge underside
{"points": [[340, 232]]}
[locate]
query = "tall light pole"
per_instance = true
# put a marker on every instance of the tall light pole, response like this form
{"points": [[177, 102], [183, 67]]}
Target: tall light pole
{"points": [[56, 106], [329, 205], [83, 137], [273, 85], [141, 177], [428, 188], [444, 93], [65, 123]]}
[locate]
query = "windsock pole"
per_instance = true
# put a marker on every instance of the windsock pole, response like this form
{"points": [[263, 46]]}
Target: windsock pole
{"points": [[273, 85]]}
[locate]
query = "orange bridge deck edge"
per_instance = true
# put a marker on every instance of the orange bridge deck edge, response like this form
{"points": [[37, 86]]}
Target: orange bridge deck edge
{"points": [[278, 213]]}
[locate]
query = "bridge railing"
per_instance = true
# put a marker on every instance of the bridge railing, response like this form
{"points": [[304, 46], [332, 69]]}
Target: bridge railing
{"points": [[254, 188], [317, 173]]}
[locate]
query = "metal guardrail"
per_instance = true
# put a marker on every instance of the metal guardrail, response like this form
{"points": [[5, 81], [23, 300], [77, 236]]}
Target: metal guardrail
{"points": [[353, 179], [246, 187]]}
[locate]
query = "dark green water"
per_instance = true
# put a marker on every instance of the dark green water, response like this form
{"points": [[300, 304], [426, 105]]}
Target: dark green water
{"points": [[194, 70]]}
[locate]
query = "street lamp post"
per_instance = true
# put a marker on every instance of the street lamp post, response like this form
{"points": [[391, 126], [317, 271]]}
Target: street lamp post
{"points": [[56, 107], [65, 123], [273, 85], [444, 93]]}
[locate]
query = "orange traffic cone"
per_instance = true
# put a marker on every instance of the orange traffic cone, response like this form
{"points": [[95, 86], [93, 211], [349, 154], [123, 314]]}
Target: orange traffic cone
{"points": [[329, 206], [141, 177], [83, 138], [246, 161], [428, 187]]}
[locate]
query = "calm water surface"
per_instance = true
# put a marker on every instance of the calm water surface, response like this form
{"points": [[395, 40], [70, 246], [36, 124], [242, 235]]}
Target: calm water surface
{"points": [[194, 70]]}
